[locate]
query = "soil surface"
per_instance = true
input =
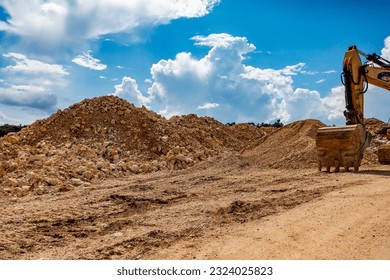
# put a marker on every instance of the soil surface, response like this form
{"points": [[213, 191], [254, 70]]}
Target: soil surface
{"points": [[223, 209], [103, 179]]}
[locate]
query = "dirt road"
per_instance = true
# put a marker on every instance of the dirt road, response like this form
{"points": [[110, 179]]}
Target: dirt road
{"points": [[348, 223], [226, 208]]}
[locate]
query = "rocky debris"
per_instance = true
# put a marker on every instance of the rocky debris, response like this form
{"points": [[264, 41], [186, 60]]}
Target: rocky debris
{"points": [[378, 130], [108, 137]]}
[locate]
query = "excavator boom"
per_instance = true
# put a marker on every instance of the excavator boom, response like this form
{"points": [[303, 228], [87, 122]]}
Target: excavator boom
{"points": [[343, 146]]}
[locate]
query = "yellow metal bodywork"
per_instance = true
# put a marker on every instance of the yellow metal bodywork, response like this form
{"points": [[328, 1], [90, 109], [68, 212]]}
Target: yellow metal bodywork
{"points": [[352, 64], [343, 146]]}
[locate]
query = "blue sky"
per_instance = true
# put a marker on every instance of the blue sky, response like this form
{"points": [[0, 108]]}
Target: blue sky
{"points": [[237, 61]]}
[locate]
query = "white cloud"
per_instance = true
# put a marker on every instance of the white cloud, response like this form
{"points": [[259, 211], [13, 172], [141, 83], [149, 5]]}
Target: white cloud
{"points": [[221, 81], [329, 72], [208, 106], [242, 92], [306, 72], [335, 105], [28, 96], [29, 83], [86, 60], [129, 89], [386, 49], [34, 67], [56, 22], [320, 81]]}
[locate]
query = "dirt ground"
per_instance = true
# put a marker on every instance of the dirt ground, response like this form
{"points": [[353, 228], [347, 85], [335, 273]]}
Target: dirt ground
{"points": [[225, 208], [104, 179]]}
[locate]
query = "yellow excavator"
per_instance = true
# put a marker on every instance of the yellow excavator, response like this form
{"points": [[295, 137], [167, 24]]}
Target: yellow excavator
{"points": [[343, 146]]}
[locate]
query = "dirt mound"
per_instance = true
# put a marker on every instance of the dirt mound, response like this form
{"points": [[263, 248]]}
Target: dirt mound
{"points": [[378, 130], [376, 127], [208, 130], [107, 137], [292, 146]]}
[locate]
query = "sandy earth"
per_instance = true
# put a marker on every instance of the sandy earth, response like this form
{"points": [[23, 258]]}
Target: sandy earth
{"points": [[224, 208], [104, 179]]}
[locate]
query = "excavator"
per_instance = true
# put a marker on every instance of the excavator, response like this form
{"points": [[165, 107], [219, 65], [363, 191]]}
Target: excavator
{"points": [[344, 146]]}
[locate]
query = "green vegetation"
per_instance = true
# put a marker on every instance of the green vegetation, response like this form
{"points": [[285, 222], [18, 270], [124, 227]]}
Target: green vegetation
{"points": [[7, 128], [276, 124]]}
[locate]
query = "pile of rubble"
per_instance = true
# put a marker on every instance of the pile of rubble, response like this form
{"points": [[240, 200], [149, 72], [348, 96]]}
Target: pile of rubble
{"points": [[107, 137], [292, 146], [378, 130]]}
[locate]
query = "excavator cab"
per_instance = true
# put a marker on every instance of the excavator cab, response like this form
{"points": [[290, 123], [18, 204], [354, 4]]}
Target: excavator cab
{"points": [[344, 146]]}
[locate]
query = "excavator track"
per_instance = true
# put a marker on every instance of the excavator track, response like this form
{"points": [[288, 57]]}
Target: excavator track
{"points": [[341, 146]]}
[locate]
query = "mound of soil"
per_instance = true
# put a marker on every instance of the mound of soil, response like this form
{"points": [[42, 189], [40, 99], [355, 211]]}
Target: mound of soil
{"points": [[376, 127], [108, 137], [292, 146], [378, 130]]}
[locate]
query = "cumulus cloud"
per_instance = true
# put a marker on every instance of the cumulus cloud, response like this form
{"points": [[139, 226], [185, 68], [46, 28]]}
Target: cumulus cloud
{"points": [[334, 104], [55, 22], [129, 89], [29, 82], [34, 67], [221, 84], [86, 60], [386, 49]]}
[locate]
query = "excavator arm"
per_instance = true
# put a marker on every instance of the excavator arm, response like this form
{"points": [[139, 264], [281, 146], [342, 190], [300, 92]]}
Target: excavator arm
{"points": [[356, 77], [343, 146]]}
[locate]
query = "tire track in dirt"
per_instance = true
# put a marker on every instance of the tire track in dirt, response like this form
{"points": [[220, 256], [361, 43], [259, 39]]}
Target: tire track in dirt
{"points": [[348, 222], [159, 215]]}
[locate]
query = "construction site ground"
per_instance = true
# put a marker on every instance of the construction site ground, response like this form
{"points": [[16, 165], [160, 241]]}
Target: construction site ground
{"points": [[223, 209], [105, 180]]}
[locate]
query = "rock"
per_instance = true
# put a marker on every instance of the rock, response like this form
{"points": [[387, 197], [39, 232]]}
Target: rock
{"points": [[52, 181], [23, 190], [134, 168], [11, 182], [117, 234], [41, 189], [65, 188], [12, 166], [183, 158], [76, 182], [13, 139], [88, 175]]}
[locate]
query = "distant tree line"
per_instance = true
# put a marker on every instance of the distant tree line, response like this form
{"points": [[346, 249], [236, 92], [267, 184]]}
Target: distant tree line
{"points": [[276, 124], [7, 128]]}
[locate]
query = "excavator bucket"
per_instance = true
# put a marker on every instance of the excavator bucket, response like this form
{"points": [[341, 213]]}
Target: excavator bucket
{"points": [[341, 146]]}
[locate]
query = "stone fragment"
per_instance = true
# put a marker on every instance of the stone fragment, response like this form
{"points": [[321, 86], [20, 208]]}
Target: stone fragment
{"points": [[134, 168]]}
